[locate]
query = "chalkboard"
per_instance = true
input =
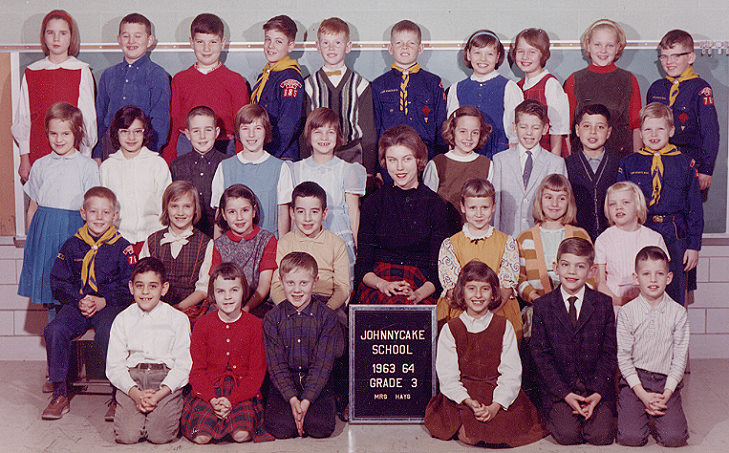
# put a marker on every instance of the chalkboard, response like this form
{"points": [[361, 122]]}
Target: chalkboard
{"points": [[391, 362], [447, 63]]}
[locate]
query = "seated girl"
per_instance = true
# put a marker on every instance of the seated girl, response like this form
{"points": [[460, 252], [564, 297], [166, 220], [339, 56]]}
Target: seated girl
{"points": [[480, 241], [401, 228], [185, 251], [480, 397], [228, 367], [244, 243]]}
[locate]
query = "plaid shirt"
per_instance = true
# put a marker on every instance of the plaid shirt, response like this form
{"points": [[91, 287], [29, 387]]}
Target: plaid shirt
{"points": [[301, 347]]}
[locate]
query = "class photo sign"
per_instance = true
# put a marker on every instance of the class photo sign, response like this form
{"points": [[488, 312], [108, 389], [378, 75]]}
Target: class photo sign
{"points": [[391, 362]]}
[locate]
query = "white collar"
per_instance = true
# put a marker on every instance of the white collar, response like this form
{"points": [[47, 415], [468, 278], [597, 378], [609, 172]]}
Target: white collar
{"points": [[467, 158], [522, 150], [580, 295], [241, 157], [473, 236], [528, 83], [476, 324], [488, 76], [70, 63]]}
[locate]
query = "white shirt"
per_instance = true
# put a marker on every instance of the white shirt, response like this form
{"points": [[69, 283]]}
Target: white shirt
{"points": [[176, 246], [654, 339], [138, 183], [85, 103], [578, 303], [513, 96], [430, 174], [283, 187], [508, 383], [61, 181], [558, 106], [523, 154], [161, 335]]}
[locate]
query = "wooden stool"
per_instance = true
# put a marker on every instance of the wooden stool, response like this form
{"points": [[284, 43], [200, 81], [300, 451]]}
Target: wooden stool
{"points": [[87, 370]]}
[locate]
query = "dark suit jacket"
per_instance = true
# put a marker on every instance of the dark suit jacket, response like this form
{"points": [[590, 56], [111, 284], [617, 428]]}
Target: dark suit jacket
{"points": [[579, 359]]}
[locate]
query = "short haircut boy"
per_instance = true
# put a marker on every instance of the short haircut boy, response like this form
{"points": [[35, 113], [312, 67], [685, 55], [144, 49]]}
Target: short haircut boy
{"points": [[640, 205], [604, 24], [475, 270], [298, 260], [577, 246], [449, 126], [66, 112], [477, 188], [201, 110], [175, 191], [483, 38], [535, 37], [531, 107], [333, 26], [658, 111], [284, 24], [592, 109], [677, 37], [309, 189], [251, 113], [406, 136], [124, 118], [651, 253], [102, 192], [321, 117], [209, 24], [150, 264], [136, 18], [227, 271], [557, 183], [406, 25], [75, 44]]}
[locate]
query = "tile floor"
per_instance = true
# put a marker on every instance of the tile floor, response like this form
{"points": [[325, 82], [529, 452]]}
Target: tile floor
{"points": [[705, 395]]}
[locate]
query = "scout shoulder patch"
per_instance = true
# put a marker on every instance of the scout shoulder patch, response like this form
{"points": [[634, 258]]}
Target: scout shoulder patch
{"points": [[290, 88]]}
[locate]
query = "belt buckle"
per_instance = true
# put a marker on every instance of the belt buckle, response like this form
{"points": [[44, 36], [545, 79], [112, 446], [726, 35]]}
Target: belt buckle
{"points": [[657, 219]]}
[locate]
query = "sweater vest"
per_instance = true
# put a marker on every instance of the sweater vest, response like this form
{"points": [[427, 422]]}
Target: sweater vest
{"points": [[183, 271], [488, 97], [45, 88], [246, 254], [262, 179], [613, 90]]}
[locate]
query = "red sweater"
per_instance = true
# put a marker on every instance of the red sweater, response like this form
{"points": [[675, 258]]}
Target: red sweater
{"points": [[217, 346], [222, 90], [634, 110]]}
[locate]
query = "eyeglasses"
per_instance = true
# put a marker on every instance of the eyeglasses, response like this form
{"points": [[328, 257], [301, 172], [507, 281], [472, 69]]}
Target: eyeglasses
{"points": [[673, 56], [126, 132]]}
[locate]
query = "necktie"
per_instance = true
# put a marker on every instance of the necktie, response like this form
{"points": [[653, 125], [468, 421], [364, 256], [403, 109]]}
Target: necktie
{"points": [[573, 310], [284, 63], [688, 74], [657, 168], [88, 270], [176, 242], [527, 169], [404, 84], [333, 73]]}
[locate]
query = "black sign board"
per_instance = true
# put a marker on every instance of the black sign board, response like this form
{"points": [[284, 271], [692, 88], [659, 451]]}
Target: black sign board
{"points": [[391, 362]]}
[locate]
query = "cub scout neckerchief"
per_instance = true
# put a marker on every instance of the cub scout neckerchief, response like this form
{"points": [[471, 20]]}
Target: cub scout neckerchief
{"points": [[88, 274], [280, 65], [404, 84], [688, 74], [657, 168]]}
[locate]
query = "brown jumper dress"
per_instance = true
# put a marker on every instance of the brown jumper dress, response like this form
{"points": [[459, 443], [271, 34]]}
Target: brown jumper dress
{"points": [[478, 360]]}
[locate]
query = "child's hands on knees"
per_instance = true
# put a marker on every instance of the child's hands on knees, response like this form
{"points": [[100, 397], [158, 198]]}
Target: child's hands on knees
{"points": [[653, 402], [298, 413], [490, 412], [590, 404], [401, 288], [576, 402], [221, 406]]}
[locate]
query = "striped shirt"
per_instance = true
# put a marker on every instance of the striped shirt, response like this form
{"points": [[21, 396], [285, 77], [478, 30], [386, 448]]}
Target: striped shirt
{"points": [[654, 339]]}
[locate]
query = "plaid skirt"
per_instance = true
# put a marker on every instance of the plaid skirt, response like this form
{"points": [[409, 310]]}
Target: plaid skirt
{"points": [[392, 273], [198, 416]]}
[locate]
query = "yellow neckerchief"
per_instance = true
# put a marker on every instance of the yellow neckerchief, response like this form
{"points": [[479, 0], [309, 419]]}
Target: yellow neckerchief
{"points": [[404, 84], [657, 168], [88, 274], [280, 65], [688, 74]]}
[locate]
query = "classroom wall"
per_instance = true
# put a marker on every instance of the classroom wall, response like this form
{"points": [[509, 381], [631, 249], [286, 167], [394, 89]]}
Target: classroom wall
{"points": [[565, 19]]}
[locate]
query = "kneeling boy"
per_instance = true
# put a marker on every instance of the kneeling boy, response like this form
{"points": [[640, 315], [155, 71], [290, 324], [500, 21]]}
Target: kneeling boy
{"points": [[89, 278], [149, 360], [302, 338], [653, 339], [573, 347]]}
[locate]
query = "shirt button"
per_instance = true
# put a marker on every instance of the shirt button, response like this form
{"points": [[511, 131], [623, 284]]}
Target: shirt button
{"points": [[227, 353], [299, 340], [124, 97], [127, 81], [227, 340], [202, 174], [227, 326], [234, 367]]}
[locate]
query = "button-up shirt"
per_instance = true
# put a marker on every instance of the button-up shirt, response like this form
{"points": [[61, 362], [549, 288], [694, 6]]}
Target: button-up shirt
{"points": [[301, 345]]}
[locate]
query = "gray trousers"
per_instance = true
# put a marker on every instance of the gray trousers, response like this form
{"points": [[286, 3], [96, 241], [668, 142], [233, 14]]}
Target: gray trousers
{"points": [[633, 430], [159, 426]]}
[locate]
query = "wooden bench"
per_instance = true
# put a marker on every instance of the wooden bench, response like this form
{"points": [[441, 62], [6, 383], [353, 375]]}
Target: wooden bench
{"points": [[87, 371]]}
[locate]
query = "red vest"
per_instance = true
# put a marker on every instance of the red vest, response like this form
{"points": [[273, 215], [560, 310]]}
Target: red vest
{"points": [[537, 93], [45, 88]]}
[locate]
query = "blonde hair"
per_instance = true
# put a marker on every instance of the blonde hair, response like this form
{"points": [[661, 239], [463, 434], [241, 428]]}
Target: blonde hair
{"points": [[604, 24], [640, 205], [656, 110], [557, 183]]}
